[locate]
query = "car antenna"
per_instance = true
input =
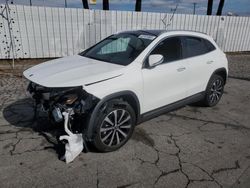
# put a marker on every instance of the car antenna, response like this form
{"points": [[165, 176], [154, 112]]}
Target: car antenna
{"points": [[171, 18]]}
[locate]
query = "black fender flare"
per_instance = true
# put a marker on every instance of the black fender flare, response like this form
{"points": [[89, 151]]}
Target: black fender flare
{"points": [[88, 133]]}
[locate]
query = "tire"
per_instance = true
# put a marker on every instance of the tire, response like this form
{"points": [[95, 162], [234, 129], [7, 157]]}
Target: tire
{"points": [[214, 91], [115, 125]]}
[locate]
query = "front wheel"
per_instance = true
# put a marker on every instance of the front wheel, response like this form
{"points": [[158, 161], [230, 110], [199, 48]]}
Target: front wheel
{"points": [[214, 91], [115, 126]]}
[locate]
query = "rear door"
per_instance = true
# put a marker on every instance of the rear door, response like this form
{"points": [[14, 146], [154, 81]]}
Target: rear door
{"points": [[198, 54]]}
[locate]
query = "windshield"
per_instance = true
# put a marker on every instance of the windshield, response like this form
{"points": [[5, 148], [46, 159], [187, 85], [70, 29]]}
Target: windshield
{"points": [[119, 49]]}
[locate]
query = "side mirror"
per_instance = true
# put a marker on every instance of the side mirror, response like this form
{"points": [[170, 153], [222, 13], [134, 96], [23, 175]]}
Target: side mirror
{"points": [[155, 59]]}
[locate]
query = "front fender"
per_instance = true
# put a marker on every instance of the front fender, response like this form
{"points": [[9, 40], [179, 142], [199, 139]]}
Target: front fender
{"points": [[89, 131]]}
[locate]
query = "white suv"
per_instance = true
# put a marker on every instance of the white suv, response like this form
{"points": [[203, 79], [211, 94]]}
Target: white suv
{"points": [[128, 78]]}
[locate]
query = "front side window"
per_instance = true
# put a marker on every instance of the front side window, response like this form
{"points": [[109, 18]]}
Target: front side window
{"points": [[195, 46], [119, 49], [170, 48]]}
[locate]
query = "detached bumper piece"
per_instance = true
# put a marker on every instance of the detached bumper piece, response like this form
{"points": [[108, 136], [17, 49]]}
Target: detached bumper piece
{"points": [[75, 141]]}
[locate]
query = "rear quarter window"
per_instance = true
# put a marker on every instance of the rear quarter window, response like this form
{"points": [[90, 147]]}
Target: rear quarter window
{"points": [[195, 46], [209, 45]]}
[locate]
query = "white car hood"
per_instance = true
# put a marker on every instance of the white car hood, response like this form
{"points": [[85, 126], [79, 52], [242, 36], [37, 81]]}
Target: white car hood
{"points": [[72, 71]]}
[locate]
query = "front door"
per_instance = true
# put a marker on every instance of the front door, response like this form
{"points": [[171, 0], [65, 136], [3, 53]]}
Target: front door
{"points": [[165, 83]]}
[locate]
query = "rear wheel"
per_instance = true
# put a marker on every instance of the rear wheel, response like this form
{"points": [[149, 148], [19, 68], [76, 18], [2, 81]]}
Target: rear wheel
{"points": [[115, 126], [214, 91]]}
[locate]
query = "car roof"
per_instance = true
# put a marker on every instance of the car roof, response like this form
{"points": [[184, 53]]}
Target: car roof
{"points": [[141, 32], [158, 32]]}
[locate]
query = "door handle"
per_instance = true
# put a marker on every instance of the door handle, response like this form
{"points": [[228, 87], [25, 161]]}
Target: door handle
{"points": [[210, 62], [181, 69]]}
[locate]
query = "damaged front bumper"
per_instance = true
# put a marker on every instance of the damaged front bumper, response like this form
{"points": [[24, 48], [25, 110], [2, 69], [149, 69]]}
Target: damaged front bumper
{"points": [[57, 100], [71, 105]]}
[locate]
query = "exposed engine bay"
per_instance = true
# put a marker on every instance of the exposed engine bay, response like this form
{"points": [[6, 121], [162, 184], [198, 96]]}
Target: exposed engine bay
{"points": [[70, 105], [55, 101]]}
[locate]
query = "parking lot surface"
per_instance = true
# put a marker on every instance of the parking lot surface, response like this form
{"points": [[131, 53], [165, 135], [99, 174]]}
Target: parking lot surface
{"points": [[191, 147]]}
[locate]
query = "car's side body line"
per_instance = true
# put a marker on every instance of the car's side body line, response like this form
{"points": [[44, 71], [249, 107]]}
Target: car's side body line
{"points": [[102, 80], [91, 123], [170, 107]]}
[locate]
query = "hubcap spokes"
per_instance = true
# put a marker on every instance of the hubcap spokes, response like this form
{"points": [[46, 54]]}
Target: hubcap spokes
{"points": [[115, 127], [216, 91]]}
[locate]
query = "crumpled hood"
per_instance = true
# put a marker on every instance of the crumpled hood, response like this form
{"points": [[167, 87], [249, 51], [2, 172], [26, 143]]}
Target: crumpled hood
{"points": [[72, 71]]}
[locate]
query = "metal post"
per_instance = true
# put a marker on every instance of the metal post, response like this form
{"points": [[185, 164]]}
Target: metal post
{"points": [[65, 3], [194, 7], [10, 33]]}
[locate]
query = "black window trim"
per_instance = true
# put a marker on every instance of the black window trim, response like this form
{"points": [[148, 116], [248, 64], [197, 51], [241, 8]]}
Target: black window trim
{"points": [[214, 47], [145, 59], [203, 39], [182, 45]]}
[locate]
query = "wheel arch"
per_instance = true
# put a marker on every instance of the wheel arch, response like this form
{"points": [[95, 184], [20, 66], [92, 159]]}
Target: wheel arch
{"points": [[221, 72], [127, 96]]}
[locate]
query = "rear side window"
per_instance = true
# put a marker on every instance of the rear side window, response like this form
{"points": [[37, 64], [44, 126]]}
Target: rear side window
{"points": [[195, 46], [170, 48], [209, 45]]}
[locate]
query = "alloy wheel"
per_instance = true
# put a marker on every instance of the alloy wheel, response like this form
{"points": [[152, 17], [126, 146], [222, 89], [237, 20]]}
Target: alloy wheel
{"points": [[216, 91], [115, 127]]}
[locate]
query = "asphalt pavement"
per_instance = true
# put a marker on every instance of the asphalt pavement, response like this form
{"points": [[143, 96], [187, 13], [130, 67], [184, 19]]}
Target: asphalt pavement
{"points": [[191, 147]]}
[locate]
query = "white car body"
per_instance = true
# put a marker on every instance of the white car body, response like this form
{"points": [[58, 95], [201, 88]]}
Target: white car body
{"points": [[126, 79], [154, 88]]}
